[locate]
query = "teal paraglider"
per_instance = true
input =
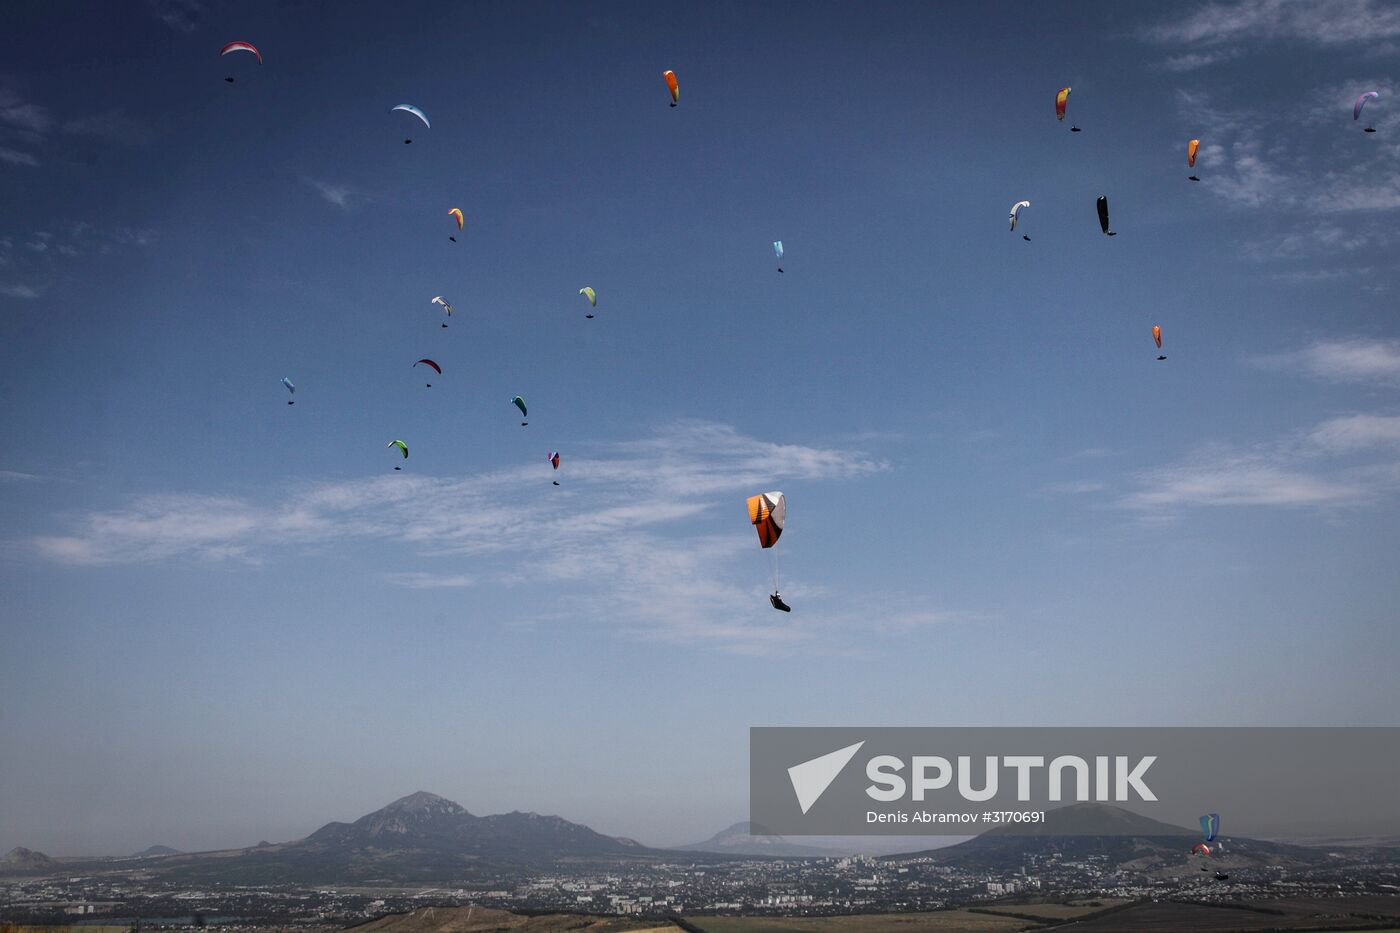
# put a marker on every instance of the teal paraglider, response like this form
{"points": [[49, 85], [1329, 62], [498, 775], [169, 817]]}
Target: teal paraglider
{"points": [[519, 403]]}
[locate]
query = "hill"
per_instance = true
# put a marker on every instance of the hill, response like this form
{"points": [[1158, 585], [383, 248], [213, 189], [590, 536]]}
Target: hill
{"points": [[19, 861], [421, 837], [740, 839], [155, 851], [1127, 840]]}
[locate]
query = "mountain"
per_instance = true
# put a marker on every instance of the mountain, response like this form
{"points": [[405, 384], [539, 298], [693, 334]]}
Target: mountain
{"points": [[740, 839], [20, 860], [1127, 841], [155, 851], [421, 837]]}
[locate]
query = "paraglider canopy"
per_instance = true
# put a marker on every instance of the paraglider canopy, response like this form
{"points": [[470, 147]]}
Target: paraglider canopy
{"points": [[290, 388], [768, 513], [672, 86], [1191, 148], [457, 212], [446, 308], [401, 446], [1103, 216], [241, 47], [430, 364], [1210, 826], [1061, 101], [519, 403], [409, 108], [1157, 337], [1016, 211], [553, 458], [1361, 102], [1200, 849]]}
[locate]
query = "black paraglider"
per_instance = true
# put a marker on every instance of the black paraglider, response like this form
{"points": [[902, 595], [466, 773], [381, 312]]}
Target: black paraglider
{"points": [[777, 601], [1103, 216]]}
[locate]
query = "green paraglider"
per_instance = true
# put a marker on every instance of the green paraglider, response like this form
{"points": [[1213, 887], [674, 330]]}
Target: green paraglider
{"points": [[519, 403], [402, 447]]}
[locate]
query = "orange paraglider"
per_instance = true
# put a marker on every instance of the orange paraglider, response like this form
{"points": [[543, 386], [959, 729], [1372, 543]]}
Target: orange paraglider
{"points": [[1191, 148], [1157, 339], [674, 87]]}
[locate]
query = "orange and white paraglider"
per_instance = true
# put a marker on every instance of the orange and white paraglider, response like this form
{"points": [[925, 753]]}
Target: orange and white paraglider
{"points": [[456, 213], [1191, 148], [768, 515], [672, 86], [1157, 339]]}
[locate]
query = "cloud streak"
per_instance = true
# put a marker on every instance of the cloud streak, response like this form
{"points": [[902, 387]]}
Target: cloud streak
{"points": [[622, 554]]}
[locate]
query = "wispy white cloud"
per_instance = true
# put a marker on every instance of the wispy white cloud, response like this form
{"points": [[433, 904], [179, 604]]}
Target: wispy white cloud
{"points": [[15, 157], [421, 580], [1253, 22], [1230, 478], [15, 476], [339, 195], [180, 15], [1353, 433], [1191, 61], [622, 555], [112, 126], [1357, 360], [20, 291]]}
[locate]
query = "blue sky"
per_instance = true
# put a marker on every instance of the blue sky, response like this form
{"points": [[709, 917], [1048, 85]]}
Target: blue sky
{"points": [[229, 619]]}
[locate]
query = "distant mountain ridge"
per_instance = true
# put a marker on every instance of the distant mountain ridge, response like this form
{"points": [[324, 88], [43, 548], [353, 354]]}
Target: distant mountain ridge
{"points": [[421, 837], [155, 851], [741, 839], [20, 859]]}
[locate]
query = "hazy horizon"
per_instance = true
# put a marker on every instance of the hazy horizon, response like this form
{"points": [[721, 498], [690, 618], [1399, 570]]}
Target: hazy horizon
{"points": [[228, 619]]}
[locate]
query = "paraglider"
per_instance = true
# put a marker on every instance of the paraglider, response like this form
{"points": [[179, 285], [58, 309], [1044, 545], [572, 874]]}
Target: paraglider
{"points": [[1157, 338], [409, 108], [1200, 849], [1061, 101], [592, 296], [1210, 827], [401, 446], [1191, 148], [768, 514], [240, 47], [1221, 876], [456, 212], [671, 85], [447, 308], [519, 403], [1361, 102], [429, 363], [290, 388], [1103, 216], [1015, 215], [778, 250], [553, 458]]}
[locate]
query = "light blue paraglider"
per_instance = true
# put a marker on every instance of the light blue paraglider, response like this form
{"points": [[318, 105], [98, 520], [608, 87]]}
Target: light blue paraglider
{"points": [[1210, 826], [290, 388]]}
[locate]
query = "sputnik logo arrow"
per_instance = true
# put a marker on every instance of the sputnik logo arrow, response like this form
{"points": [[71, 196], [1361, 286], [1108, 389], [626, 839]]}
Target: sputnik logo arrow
{"points": [[811, 778]]}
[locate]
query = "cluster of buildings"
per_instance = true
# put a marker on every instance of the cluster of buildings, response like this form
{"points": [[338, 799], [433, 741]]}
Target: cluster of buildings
{"points": [[741, 885]]}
